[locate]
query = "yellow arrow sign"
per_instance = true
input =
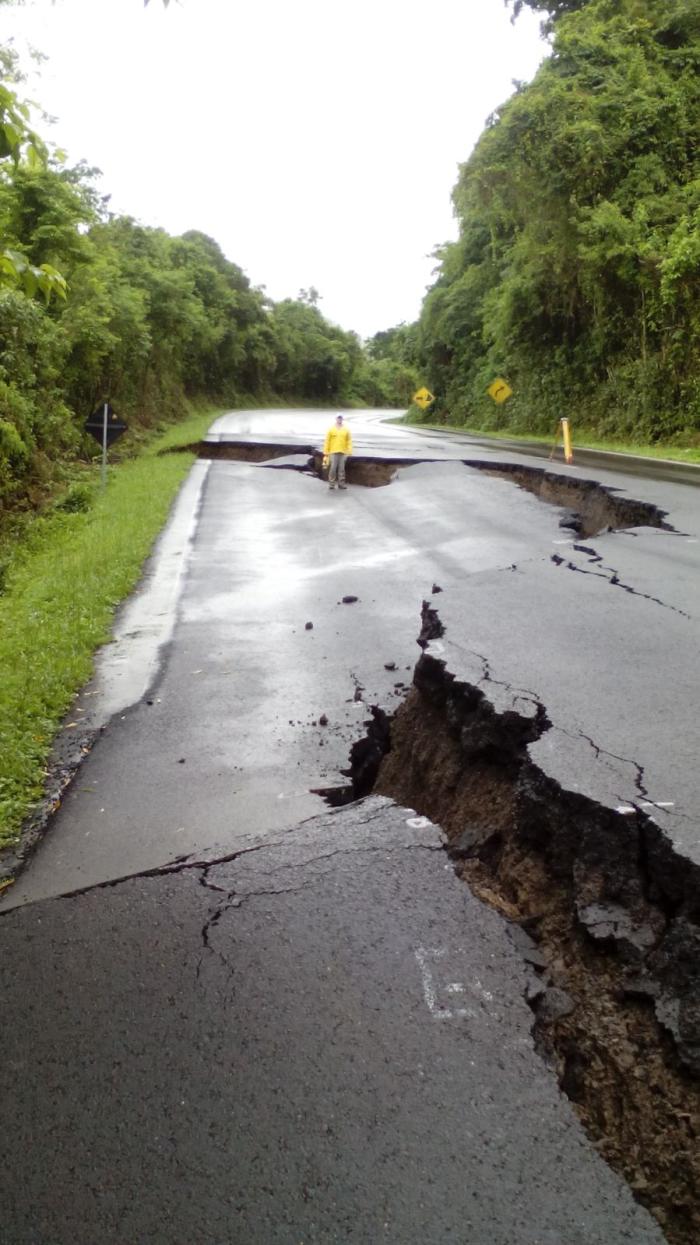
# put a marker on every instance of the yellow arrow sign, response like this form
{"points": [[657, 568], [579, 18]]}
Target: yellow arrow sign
{"points": [[499, 390], [423, 397]]}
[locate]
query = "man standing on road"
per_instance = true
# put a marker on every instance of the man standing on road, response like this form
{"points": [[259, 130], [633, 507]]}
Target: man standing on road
{"points": [[337, 447]]}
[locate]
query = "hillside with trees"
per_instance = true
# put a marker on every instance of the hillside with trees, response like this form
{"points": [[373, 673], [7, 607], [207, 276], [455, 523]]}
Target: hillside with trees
{"points": [[575, 274]]}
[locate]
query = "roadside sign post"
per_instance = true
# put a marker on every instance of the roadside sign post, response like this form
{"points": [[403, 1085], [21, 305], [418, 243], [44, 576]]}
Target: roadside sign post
{"points": [[105, 427], [499, 390], [423, 397], [565, 430]]}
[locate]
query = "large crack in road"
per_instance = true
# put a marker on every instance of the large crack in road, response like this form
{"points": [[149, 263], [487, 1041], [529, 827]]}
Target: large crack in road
{"points": [[611, 908], [590, 506], [587, 509], [607, 911], [289, 1043], [609, 574]]}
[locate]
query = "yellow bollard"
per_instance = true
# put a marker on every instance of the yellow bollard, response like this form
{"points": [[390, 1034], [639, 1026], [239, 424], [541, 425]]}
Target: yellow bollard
{"points": [[568, 451]]}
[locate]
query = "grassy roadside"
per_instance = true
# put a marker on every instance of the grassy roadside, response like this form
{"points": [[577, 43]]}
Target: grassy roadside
{"points": [[581, 439], [61, 585]]}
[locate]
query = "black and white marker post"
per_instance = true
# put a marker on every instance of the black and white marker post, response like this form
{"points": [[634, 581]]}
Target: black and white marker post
{"points": [[105, 427]]}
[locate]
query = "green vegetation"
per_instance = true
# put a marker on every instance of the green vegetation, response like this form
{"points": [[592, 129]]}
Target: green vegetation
{"points": [[575, 275], [580, 441], [94, 305], [59, 589]]}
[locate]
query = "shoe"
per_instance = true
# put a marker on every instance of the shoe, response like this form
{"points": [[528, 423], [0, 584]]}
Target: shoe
{"points": [[331, 485], [342, 486]]}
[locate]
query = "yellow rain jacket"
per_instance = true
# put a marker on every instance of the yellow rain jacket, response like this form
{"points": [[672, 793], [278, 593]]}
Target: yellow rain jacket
{"points": [[338, 441]]}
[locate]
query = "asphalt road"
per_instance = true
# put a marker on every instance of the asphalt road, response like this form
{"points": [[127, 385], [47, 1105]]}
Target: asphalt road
{"points": [[227, 741], [260, 1049], [323, 1040]]}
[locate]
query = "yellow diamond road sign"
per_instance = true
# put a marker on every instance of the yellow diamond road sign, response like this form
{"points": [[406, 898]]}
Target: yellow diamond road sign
{"points": [[423, 397], [499, 390]]}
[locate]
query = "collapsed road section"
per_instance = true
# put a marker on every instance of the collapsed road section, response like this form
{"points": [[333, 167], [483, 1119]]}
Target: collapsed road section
{"points": [[464, 539], [609, 913], [589, 506], [322, 1037], [301, 1018]]}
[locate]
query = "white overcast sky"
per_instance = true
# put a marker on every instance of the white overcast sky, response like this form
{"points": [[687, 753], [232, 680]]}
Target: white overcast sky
{"points": [[316, 140]]}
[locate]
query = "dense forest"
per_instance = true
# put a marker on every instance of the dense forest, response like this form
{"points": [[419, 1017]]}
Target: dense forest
{"points": [[93, 305], [575, 274]]}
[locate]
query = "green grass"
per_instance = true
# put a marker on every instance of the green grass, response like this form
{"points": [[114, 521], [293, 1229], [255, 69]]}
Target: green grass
{"points": [[62, 584], [580, 438]]}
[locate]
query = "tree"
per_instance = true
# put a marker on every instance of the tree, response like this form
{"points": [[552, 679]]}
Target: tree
{"points": [[555, 8], [579, 224], [21, 149], [151, 320], [311, 296]]}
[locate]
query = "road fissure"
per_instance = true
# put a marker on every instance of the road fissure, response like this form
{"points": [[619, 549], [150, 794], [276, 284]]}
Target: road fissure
{"points": [[591, 507], [611, 576], [613, 911]]}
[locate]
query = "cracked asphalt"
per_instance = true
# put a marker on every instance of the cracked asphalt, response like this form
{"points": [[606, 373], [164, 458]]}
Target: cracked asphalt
{"points": [[255, 1020], [228, 742], [322, 1039]]}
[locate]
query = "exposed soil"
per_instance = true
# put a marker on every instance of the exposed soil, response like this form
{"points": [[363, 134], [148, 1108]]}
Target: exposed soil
{"points": [[595, 508], [372, 473], [359, 470], [368, 472], [621, 1069], [243, 451], [590, 507]]}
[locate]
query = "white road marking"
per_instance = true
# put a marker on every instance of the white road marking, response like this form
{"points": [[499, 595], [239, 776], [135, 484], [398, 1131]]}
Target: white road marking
{"points": [[127, 666], [426, 957]]}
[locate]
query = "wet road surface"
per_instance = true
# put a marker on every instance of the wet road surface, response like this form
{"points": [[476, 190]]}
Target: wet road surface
{"points": [[261, 1049], [227, 741], [324, 1040]]}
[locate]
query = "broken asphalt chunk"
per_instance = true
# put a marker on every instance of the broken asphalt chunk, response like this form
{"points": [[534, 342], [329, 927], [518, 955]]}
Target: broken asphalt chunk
{"points": [[534, 990], [527, 946], [467, 843], [554, 1004]]}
